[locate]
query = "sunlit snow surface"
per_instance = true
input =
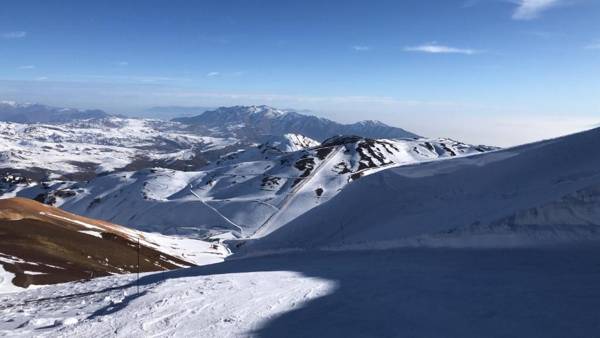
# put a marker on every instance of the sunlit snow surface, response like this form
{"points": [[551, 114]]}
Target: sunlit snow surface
{"points": [[544, 193], [251, 192], [106, 143], [5, 281], [392, 293]]}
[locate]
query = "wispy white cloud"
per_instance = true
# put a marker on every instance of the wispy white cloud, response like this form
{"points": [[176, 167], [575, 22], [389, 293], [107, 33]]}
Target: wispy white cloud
{"points": [[433, 48], [13, 35], [24, 67], [41, 78], [122, 63], [213, 74], [531, 9], [361, 48]]}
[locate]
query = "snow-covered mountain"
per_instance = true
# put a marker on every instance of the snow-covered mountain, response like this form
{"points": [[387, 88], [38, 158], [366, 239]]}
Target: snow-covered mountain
{"points": [[11, 111], [89, 147], [249, 121], [246, 193], [287, 143], [227, 176], [541, 193], [82, 148]]}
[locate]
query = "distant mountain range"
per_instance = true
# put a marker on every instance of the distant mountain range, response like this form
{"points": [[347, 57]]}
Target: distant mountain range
{"points": [[249, 123], [242, 169], [240, 121], [168, 112], [11, 111], [90, 147]]}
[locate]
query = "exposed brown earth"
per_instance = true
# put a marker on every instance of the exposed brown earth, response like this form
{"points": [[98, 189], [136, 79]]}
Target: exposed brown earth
{"points": [[41, 244]]}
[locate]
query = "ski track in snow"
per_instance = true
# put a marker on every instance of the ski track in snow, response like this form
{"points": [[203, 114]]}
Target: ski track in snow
{"points": [[265, 228], [227, 305], [392, 293], [239, 229]]}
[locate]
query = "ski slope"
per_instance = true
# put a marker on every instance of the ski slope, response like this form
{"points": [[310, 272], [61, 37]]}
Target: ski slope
{"points": [[245, 193], [544, 193]]}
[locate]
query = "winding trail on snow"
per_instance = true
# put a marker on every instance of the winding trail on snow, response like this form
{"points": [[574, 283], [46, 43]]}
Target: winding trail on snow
{"points": [[216, 211]]}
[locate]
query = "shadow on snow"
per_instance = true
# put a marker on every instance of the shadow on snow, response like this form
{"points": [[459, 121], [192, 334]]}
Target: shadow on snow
{"points": [[434, 292]]}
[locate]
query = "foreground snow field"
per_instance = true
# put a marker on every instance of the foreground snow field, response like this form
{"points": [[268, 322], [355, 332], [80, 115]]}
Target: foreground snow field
{"points": [[387, 293]]}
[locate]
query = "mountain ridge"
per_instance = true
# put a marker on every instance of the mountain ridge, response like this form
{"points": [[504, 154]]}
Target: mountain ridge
{"points": [[544, 193], [240, 120], [12, 111]]}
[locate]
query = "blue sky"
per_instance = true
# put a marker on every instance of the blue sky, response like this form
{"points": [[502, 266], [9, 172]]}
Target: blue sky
{"points": [[495, 71]]}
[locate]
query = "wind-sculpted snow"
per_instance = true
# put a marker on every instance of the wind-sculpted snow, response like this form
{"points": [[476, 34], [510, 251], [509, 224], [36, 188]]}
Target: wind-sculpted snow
{"points": [[251, 192], [542, 193]]}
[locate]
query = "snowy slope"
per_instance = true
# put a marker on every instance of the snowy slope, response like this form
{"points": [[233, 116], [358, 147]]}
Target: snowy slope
{"points": [[245, 193], [541, 193], [287, 143], [99, 145], [387, 293]]}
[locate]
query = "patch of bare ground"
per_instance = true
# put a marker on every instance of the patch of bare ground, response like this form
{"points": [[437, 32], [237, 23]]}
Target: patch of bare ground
{"points": [[42, 245]]}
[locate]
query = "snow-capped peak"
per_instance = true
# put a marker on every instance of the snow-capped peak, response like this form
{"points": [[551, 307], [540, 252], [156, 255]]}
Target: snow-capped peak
{"points": [[264, 110], [249, 121], [371, 123], [289, 142]]}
